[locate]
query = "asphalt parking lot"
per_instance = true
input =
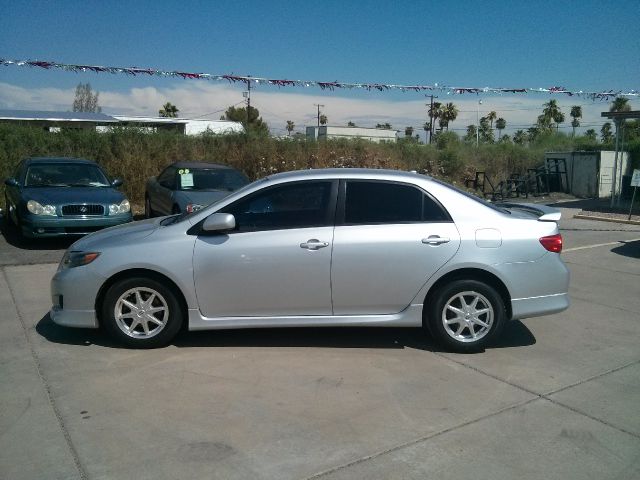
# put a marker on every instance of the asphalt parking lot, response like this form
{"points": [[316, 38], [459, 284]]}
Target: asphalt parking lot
{"points": [[556, 399]]}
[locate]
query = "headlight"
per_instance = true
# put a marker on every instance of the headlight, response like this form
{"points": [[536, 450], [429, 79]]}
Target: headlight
{"points": [[37, 209], [76, 259], [193, 207], [123, 207]]}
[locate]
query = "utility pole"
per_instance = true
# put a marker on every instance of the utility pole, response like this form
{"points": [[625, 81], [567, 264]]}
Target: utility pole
{"points": [[318, 105], [430, 117], [248, 100]]}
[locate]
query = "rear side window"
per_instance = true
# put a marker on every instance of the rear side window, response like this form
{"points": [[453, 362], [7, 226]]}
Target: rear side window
{"points": [[369, 202]]}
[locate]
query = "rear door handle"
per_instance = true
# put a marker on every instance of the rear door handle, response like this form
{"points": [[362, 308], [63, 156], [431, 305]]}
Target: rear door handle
{"points": [[314, 244], [435, 240]]}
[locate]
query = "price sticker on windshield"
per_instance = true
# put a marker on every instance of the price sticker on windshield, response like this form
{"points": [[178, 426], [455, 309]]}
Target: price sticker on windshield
{"points": [[186, 180]]}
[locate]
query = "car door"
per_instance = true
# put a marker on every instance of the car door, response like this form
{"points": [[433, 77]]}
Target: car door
{"points": [[277, 260], [390, 237]]}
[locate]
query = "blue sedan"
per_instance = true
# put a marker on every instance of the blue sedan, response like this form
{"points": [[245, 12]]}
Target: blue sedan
{"points": [[51, 197]]}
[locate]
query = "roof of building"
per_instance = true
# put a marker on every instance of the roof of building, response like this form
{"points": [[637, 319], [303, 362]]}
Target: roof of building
{"points": [[56, 116]]}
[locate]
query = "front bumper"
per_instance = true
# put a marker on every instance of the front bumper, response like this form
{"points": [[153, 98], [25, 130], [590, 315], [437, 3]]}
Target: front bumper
{"points": [[40, 226], [73, 297]]}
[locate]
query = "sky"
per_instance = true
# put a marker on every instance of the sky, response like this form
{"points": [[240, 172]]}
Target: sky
{"points": [[580, 45]]}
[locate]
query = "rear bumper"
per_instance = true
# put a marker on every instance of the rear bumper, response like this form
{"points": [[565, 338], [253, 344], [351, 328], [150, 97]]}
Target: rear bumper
{"points": [[538, 306], [35, 226]]}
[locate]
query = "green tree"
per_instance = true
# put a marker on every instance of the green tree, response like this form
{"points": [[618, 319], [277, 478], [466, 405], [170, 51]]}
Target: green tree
{"points": [[434, 113], [606, 133], [576, 114], [448, 113], [520, 137], [323, 119], [351, 124], [290, 126], [620, 104], [550, 114], [85, 100], [501, 123], [591, 135], [486, 132], [408, 132], [386, 126], [505, 139], [168, 110], [491, 116], [255, 123], [471, 135], [427, 128]]}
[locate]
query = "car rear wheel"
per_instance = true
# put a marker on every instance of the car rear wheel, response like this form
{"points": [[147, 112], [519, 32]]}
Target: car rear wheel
{"points": [[141, 313], [466, 315]]}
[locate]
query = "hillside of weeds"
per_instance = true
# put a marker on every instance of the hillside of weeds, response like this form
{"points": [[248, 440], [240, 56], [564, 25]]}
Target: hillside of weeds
{"points": [[134, 155]]}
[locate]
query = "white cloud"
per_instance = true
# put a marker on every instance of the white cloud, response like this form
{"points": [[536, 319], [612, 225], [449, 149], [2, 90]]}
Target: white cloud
{"points": [[200, 99]]}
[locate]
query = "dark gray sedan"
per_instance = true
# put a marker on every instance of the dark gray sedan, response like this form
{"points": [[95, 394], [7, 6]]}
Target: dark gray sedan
{"points": [[185, 187], [51, 197]]}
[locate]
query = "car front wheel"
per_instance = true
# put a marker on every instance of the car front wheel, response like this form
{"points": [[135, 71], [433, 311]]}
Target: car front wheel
{"points": [[141, 313], [466, 315]]}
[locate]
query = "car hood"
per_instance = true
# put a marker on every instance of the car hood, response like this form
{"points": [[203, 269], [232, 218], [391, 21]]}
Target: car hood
{"points": [[120, 234], [200, 197], [65, 195]]}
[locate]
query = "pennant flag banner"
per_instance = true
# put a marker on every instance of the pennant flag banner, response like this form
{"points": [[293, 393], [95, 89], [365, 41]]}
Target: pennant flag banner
{"points": [[134, 71]]}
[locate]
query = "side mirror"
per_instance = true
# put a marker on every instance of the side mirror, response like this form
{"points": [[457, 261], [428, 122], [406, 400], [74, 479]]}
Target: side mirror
{"points": [[219, 222], [116, 182], [11, 182]]}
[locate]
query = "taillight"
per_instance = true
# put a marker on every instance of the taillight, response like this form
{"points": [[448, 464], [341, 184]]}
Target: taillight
{"points": [[553, 243]]}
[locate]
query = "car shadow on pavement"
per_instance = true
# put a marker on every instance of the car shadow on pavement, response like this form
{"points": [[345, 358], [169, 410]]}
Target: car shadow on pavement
{"points": [[515, 334], [628, 249]]}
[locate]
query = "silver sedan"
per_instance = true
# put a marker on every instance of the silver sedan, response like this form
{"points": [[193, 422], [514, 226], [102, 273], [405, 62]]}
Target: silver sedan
{"points": [[345, 247]]}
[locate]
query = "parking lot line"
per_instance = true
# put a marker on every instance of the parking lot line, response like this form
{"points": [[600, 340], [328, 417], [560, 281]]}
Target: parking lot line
{"points": [[585, 247]]}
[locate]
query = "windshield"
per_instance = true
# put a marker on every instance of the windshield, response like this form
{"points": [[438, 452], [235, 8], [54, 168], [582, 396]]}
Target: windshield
{"points": [[183, 216], [210, 179], [65, 175]]}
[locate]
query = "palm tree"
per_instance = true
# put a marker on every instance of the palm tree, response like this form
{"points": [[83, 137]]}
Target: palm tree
{"points": [[448, 113], [290, 126], [606, 134], [491, 117], [550, 113], [576, 113], [323, 119], [520, 137], [434, 113], [168, 110], [427, 128], [472, 131], [486, 132], [591, 135], [620, 104], [501, 123]]}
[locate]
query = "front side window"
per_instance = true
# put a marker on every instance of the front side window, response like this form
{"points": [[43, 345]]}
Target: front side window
{"points": [[369, 202], [296, 205], [167, 177]]}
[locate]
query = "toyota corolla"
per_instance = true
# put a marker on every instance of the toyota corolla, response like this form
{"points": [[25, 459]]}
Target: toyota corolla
{"points": [[345, 247]]}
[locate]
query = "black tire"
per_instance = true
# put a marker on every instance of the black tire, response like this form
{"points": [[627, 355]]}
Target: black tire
{"points": [[169, 313], [148, 213], [175, 210], [482, 303]]}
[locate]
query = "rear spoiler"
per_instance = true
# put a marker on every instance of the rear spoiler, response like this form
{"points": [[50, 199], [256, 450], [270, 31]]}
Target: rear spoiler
{"points": [[543, 212]]}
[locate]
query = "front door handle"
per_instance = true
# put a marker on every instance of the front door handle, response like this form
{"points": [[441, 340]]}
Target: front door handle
{"points": [[435, 240], [314, 244]]}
